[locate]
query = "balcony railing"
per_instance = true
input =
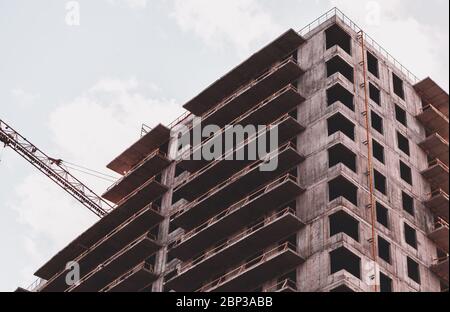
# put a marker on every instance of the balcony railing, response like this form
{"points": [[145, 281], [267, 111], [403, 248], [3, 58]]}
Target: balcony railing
{"points": [[335, 12], [245, 88], [437, 162], [133, 169], [245, 233], [146, 266], [247, 266], [283, 285], [232, 208], [230, 152], [106, 238], [238, 120], [440, 223], [230, 180]]}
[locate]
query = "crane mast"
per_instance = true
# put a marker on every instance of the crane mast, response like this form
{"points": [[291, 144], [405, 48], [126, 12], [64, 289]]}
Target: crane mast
{"points": [[54, 170]]}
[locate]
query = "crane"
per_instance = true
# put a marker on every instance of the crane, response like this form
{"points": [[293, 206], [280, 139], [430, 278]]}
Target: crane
{"points": [[54, 170]]}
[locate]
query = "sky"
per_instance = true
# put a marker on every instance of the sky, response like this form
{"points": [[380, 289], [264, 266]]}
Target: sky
{"points": [[78, 79]]}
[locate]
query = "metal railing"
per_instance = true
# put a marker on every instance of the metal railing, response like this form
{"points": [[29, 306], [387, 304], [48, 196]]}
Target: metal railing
{"points": [[36, 285], [439, 192], [142, 266], [112, 259], [440, 224], [246, 87], [242, 117], [262, 222], [439, 163], [230, 180], [155, 153], [248, 266], [234, 149], [107, 237], [236, 206], [283, 285], [335, 12], [145, 129]]}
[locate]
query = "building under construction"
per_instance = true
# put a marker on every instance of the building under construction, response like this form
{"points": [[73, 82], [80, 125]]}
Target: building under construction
{"points": [[358, 201]]}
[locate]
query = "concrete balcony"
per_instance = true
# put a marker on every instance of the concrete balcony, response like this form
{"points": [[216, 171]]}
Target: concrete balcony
{"points": [[440, 235], [434, 121], [135, 280], [436, 148], [234, 250], [122, 262], [440, 268], [283, 286], [253, 93], [215, 172], [123, 212], [140, 150], [106, 247], [438, 204], [437, 175], [264, 113], [258, 270], [430, 92], [277, 50], [238, 186], [150, 166], [266, 199]]}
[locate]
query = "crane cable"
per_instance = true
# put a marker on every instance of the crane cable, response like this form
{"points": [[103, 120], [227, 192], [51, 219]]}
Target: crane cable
{"points": [[96, 172]]}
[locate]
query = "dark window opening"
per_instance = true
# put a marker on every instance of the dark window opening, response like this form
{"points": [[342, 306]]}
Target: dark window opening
{"points": [[335, 35], [403, 143], [382, 215], [343, 259], [410, 236], [338, 65], [413, 270], [342, 222], [341, 187], [385, 283], [377, 122], [408, 203], [384, 249], [338, 123], [378, 151], [405, 173], [400, 115], [339, 93], [372, 64], [341, 154], [398, 86], [375, 94], [380, 182]]}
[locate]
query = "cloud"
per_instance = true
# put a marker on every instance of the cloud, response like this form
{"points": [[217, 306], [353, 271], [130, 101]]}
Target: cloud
{"points": [[133, 4], [23, 97], [422, 48], [90, 130], [239, 23]]}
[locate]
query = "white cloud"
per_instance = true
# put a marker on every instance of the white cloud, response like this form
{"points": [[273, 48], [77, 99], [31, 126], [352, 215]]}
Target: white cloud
{"points": [[23, 97], [90, 130], [421, 48], [241, 23], [133, 4]]}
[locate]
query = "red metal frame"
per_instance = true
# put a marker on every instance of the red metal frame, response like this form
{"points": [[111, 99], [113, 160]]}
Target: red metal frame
{"points": [[54, 170]]}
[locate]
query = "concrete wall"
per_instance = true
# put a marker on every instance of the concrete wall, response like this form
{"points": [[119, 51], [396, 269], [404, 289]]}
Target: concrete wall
{"points": [[314, 208]]}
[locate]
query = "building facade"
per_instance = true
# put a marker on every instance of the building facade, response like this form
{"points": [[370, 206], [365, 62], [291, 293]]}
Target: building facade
{"points": [[347, 113]]}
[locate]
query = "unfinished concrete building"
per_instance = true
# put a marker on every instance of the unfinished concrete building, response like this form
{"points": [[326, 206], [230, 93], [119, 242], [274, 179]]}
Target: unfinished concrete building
{"points": [[348, 115]]}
